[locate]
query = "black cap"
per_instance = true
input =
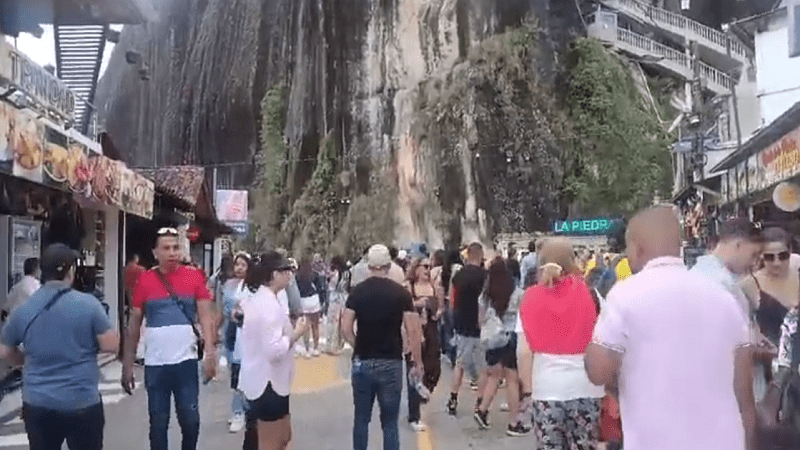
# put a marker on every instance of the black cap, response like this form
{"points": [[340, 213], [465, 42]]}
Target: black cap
{"points": [[274, 261], [57, 259]]}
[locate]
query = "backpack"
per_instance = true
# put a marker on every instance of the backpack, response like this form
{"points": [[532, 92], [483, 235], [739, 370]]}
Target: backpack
{"points": [[493, 333]]}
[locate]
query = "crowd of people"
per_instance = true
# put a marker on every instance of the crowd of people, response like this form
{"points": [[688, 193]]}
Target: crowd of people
{"points": [[631, 348]]}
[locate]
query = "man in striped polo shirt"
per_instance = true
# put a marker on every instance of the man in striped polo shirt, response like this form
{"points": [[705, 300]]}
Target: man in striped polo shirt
{"points": [[171, 297]]}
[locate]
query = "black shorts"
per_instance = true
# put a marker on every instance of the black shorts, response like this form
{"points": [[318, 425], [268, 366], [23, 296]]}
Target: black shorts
{"points": [[506, 356], [270, 407]]}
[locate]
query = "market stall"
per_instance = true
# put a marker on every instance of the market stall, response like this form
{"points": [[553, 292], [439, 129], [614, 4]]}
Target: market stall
{"points": [[752, 173]]}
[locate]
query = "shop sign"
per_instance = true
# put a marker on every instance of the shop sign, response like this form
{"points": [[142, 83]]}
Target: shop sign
{"points": [[32, 79], [584, 227], [193, 234], [781, 160], [239, 228]]}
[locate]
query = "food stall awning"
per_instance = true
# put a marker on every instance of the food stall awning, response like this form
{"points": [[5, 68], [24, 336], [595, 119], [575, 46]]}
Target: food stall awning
{"points": [[26, 16], [187, 188]]}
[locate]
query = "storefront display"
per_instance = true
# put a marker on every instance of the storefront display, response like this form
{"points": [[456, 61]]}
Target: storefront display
{"points": [[26, 242]]}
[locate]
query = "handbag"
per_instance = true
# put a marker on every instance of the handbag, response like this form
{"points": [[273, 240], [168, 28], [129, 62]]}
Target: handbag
{"points": [[201, 343], [493, 334]]}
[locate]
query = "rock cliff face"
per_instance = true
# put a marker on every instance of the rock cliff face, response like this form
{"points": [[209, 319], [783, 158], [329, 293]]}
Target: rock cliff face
{"points": [[438, 111]]}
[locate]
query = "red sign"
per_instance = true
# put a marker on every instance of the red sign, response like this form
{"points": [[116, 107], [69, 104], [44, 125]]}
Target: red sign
{"points": [[193, 234]]}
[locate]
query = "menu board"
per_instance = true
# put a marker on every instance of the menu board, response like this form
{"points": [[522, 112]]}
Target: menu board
{"points": [[21, 138], [45, 154]]}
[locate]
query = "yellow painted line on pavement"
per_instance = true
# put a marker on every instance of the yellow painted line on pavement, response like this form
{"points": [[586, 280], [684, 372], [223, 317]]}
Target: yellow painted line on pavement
{"points": [[424, 441], [316, 374]]}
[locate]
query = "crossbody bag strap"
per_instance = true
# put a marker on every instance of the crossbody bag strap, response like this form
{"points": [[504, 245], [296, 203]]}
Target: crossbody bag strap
{"points": [[175, 299], [47, 307]]}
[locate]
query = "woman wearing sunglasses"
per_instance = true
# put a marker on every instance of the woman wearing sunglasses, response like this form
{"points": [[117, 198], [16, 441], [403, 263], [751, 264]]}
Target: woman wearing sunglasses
{"points": [[778, 286], [428, 301]]}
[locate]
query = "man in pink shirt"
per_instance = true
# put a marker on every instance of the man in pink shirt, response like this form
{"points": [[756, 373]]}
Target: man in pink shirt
{"points": [[678, 346]]}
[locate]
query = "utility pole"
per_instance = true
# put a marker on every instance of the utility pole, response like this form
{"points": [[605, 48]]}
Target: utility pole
{"points": [[696, 120]]}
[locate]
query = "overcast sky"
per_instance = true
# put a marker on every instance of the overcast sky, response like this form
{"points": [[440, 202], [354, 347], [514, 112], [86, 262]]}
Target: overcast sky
{"points": [[43, 51]]}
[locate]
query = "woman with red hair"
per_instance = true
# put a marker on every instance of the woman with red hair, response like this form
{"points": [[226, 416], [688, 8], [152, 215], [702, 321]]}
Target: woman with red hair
{"points": [[557, 318]]}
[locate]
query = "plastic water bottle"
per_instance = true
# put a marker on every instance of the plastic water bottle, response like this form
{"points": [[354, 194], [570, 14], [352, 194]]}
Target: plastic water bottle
{"points": [[415, 382]]}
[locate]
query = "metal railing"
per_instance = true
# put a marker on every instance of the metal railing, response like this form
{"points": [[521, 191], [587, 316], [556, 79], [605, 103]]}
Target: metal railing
{"points": [[663, 17], [677, 57]]}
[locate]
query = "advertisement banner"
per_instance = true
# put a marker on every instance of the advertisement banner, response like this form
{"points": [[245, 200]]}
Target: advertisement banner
{"points": [[232, 206], [781, 160]]}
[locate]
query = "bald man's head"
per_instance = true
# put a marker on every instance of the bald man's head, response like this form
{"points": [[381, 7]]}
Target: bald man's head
{"points": [[653, 233]]}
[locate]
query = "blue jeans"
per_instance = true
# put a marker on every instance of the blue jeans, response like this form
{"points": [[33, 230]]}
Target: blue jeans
{"points": [[446, 336], [381, 378], [182, 381]]}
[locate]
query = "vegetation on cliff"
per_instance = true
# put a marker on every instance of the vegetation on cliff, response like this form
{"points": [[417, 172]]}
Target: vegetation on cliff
{"points": [[618, 157], [494, 136]]}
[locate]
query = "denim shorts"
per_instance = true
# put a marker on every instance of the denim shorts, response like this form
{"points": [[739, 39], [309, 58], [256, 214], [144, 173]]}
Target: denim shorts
{"points": [[270, 407], [470, 354]]}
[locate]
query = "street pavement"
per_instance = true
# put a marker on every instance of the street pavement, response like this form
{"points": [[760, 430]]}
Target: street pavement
{"points": [[322, 415]]}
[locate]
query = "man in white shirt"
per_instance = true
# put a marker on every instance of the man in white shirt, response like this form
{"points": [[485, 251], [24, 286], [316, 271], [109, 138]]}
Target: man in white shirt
{"points": [[679, 347], [530, 262], [25, 287]]}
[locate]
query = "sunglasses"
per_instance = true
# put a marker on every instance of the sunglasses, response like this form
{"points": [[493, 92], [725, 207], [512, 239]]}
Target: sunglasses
{"points": [[167, 231], [782, 256], [427, 266]]}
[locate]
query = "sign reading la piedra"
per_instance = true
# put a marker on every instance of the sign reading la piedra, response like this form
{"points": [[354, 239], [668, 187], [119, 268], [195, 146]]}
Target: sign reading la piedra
{"points": [[35, 81], [584, 227], [782, 159]]}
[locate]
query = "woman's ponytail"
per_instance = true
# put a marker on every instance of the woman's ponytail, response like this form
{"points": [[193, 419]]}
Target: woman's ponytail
{"points": [[550, 274]]}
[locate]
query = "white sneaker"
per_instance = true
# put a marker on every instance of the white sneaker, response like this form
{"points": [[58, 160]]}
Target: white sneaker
{"points": [[223, 361], [237, 423], [307, 354], [315, 352], [504, 407], [418, 426]]}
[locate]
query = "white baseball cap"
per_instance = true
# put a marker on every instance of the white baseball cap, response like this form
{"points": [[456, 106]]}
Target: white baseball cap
{"points": [[378, 257]]}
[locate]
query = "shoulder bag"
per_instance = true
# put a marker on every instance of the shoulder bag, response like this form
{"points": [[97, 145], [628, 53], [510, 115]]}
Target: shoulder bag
{"points": [[47, 307], [201, 344]]}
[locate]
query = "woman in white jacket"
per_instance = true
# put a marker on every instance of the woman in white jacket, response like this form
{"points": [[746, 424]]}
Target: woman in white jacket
{"points": [[267, 354]]}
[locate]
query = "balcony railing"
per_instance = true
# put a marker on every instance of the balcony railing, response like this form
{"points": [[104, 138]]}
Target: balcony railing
{"points": [[677, 57], [689, 27]]}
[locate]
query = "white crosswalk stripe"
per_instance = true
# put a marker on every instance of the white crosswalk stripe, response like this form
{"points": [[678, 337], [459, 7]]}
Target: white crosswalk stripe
{"points": [[12, 432]]}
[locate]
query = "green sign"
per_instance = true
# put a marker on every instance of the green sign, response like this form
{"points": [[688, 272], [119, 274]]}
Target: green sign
{"points": [[584, 227]]}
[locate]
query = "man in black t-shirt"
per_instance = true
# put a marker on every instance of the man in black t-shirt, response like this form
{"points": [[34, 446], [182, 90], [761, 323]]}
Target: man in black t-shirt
{"points": [[381, 307], [470, 355]]}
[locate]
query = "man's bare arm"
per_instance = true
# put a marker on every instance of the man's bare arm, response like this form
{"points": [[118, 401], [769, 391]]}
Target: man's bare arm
{"points": [[133, 336], [348, 332], [207, 314], [602, 364], [108, 342], [743, 387]]}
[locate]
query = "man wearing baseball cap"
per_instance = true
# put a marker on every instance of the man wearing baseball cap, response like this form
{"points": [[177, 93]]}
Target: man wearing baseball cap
{"points": [[60, 393], [381, 306]]}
